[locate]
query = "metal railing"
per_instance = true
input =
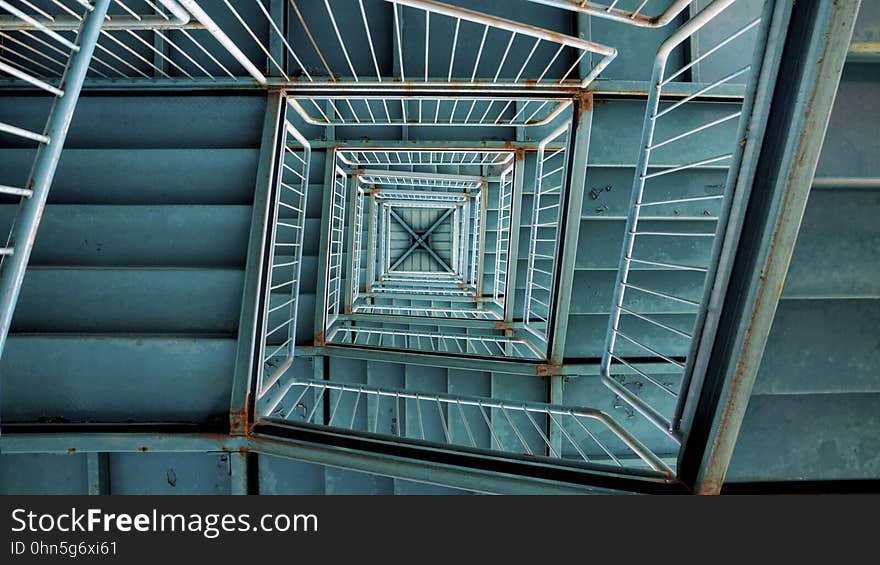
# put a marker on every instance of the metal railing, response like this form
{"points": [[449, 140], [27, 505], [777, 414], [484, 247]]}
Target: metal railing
{"points": [[396, 179], [419, 314], [550, 181], [443, 292], [633, 329], [186, 41], [182, 40], [629, 12], [391, 179], [444, 340], [510, 32], [586, 435], [14, 256], [365, 315], [460, 241], [390, 110], [413, 199], [393, 157], [284, 257]]}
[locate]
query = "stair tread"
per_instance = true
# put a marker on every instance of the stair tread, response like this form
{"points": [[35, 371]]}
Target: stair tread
{"points": [[131, 377], [143, 176], [130, 300]]}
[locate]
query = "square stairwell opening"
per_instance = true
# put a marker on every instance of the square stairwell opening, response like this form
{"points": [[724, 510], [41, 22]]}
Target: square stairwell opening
{"points": [[426, 254], [448, 208]]}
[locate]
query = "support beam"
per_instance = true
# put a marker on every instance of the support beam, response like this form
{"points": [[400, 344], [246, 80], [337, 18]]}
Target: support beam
{"points": [[474, 180], [353, 236], [571, 217], [98, 471], [324, 248], [584, 27], [438, 322], [372, 242], [469, 472], [112, 438], [481, 251], [255, 267], [556, 385], [239, 473], [817, 40], [320, 372], [178, 18], [519, 170]]}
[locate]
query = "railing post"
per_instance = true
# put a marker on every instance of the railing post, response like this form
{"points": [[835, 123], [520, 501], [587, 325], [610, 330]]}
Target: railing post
{"points": [[574, 202], [239, 475], [27, 223], [323, 271]]}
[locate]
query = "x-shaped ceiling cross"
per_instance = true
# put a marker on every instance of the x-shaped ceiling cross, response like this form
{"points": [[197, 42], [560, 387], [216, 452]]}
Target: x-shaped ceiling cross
{"points": [[420, 239]]}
